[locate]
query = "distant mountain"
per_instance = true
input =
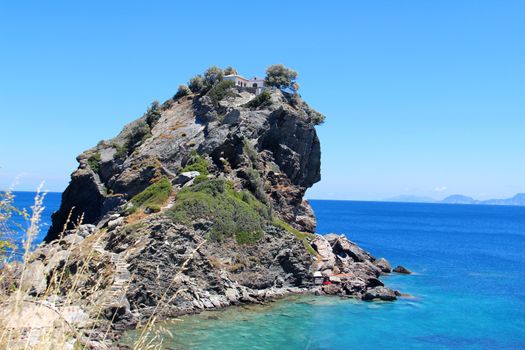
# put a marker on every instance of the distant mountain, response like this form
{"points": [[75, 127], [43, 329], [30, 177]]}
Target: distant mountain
{"points": [[518, 200], [459, 199], [411, 199]]}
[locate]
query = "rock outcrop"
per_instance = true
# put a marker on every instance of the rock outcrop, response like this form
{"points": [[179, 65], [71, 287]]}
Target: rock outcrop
{"points": [[197, 205]]}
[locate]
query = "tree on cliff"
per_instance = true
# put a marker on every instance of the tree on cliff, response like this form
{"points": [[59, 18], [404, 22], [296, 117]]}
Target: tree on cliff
{"points": [[230, 70], [281, 77], [212, 76]]}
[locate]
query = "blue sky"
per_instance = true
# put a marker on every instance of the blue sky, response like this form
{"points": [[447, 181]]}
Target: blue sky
{"points": [[421, 97]]}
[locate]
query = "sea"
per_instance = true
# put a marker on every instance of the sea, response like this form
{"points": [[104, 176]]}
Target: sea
{"points": [[467, 290]]}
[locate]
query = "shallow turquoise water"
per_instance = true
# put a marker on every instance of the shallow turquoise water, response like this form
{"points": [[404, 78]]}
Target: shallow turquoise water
{"points": [[469, 289]]}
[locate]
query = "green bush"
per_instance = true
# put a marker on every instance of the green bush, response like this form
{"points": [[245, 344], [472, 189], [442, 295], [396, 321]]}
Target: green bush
{"points": [[138, 133], [181, 92], [281, 77], [212, 76], [153, 114], [263, 99], [316, 117], [94, 162], [196, 84], [154, 196], [197, 163], [221, 90], [230, 70], [234, 214]]}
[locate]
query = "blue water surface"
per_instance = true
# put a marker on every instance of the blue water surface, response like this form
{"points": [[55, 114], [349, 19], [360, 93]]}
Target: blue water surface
{"points": [[18, 224], [468, 290]]}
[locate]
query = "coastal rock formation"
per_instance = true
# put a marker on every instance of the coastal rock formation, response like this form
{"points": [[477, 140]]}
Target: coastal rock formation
{"points": [[198, 205], [402, 269]]}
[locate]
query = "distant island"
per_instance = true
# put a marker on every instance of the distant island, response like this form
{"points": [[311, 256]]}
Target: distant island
{"points": [[518, 199]]}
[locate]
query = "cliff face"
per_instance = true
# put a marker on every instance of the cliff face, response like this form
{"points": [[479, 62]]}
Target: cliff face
{"points": [[199, 204], [277, 142]]}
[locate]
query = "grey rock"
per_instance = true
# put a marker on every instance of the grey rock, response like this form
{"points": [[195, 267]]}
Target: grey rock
{"points": [[35, 278], [184, 177], [383, 264], [113, 224], [402, 269], [381, 293], [86, 230]]}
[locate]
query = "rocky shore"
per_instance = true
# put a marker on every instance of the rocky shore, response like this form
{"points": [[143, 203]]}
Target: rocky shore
{"points": [[199, 205]]}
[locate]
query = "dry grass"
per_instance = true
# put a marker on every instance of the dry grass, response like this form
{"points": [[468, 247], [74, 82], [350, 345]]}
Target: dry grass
{"points": [[69, 312]]}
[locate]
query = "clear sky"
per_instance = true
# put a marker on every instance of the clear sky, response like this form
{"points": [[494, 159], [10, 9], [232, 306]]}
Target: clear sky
{"points": [[421, 97]]}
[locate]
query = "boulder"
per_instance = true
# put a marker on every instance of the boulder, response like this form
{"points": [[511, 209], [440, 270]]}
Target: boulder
{"points": [[345, 248], [35, 278], [324, 249], [113, 224], [402, 269], [86, 230], [185, 177], [383, 264], [381, 293]]}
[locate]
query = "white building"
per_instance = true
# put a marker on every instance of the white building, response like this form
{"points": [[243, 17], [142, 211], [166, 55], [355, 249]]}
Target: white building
{"points": [[256, 83]]}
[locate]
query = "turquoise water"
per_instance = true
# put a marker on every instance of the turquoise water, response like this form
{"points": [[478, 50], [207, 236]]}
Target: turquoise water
{"points": [[468, 290]]}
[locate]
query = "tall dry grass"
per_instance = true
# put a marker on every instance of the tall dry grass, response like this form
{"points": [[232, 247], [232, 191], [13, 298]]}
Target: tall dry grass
{"points": [[61, 317]]}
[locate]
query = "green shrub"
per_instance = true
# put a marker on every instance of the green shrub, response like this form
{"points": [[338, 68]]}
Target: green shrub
{"points": [[154, 196], [256, 184], [234, 214], [94, 162], [281, 77], [153, 114], [250, 151], [196, 163], [196, 84], [121, 150], [221, 90], [138, 133], [229, 70], [212, 76], [181, 92], [316, 117], [263, 99]]}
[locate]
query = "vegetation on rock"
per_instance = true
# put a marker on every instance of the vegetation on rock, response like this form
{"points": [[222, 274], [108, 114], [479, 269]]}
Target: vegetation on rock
{"points": [[197, 163], [221, 90], [154, 196], [94, 162], [303, 236], [281, 77], [196, 84], [182, 91], [230, 70], [264, 99], [231, 213], [212, 76], [153, 114]]}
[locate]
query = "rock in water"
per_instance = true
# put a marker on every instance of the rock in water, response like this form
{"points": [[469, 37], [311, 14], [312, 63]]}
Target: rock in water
{"points": [[383, 264], [402, 269]]}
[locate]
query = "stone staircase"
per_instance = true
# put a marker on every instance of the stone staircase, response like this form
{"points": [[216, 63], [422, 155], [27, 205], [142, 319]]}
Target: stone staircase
{"points": [[117, 291]]}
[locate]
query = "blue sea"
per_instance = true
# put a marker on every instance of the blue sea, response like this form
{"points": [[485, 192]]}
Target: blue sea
{"points": [[468, 290]]}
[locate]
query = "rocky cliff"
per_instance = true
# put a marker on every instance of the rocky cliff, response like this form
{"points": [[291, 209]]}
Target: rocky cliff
{"points": [[199, 204]]}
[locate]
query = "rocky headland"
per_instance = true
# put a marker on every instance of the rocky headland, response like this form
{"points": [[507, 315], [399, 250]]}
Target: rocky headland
{"points": [[198, 205]]}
